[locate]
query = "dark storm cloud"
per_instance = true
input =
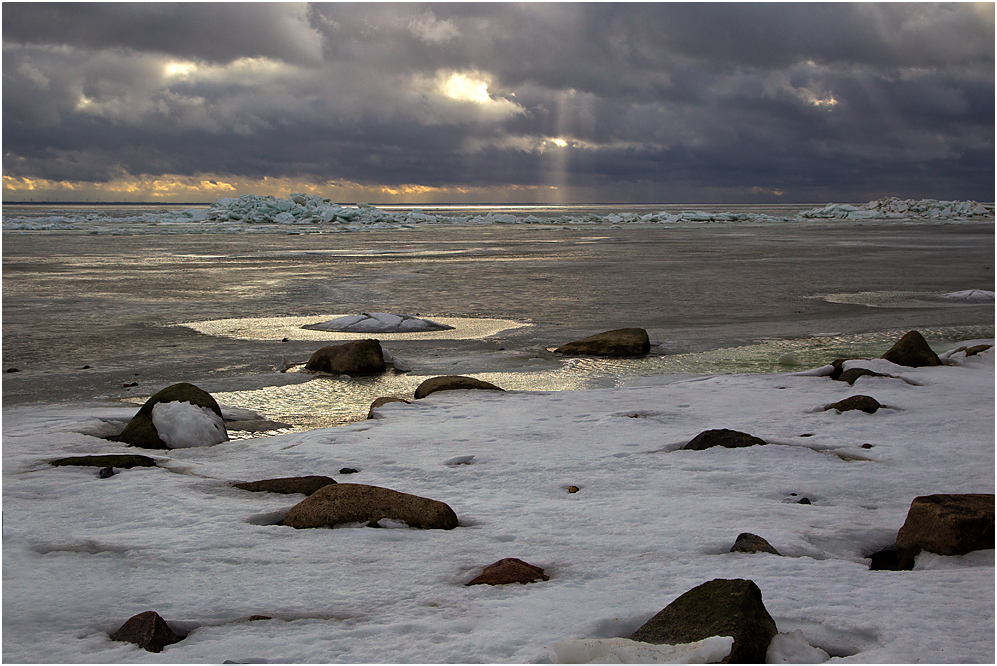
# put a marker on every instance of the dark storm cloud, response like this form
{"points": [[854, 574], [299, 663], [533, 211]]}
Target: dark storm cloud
{"points": [[840, 101]]}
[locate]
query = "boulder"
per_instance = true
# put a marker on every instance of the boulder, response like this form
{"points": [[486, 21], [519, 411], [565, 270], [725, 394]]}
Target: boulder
{"points": [[719, 607], [451, 383], [305, 485], [912, 350], [383, 401], [147, 630], [141, 431], [123, 461], [621, 342], [509, 570], [357, 503], [752, 543], [730, 439], [355, 358], [864, 403], [946, 525]]}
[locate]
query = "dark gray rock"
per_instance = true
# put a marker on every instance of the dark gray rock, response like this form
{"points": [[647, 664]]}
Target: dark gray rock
{"points": [[912, 350], [946, 525], [509, 570], [452, 383], [141, 431], [719, 607], [147, 630], [124, 461], [884, 560], [851, 374], [864, 403], [105, 473], [356, 503], [356, 358], [730, 439], [752, 543], [618, 343], [304, 485]]}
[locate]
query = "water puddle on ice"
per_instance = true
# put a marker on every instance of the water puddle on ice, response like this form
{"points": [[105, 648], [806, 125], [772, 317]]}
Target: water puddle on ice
{"points": [[328, 401]]}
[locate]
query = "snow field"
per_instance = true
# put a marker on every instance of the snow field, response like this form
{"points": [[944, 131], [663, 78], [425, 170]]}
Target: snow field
{"points": [[82, 554]]}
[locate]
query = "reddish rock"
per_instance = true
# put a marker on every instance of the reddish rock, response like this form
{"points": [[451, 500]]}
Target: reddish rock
{"points": [[452, 383], [509, 570], [863, 403], [340, 503], [946, 525], [383, 401], [619, 343], [730, 439], [147, 630], [356, 358], [304, 485]]}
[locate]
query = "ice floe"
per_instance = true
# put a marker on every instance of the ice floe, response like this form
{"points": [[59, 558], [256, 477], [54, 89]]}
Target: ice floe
{"points": [[378, 322]]}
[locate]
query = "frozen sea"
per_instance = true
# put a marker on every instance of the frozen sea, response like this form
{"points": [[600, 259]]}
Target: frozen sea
{"points": [[106, 306]]}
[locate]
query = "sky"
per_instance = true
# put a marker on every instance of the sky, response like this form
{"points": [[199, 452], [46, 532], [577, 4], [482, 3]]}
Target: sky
{"points": [[499, 103]]}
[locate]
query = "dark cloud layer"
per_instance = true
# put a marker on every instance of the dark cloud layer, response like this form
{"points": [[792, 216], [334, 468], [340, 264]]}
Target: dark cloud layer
{"points": [[794, 102]]}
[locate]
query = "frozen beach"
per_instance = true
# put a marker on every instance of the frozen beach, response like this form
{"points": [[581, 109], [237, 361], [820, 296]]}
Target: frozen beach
{"points": [[737, 311]]}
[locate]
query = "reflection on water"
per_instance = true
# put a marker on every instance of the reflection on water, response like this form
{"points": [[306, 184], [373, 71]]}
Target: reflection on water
{"points": [[328, 401]]}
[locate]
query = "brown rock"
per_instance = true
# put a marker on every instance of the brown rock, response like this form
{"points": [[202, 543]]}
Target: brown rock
{"points": [[383, 401], [147, 630], [305, 485], [851, 374], [141, 431], [717, 608], [863, 403], [356, 358], [122, 461], [946, 525], [752, 543], [509, 570], [450, 383], [976, 349], [617, 343], [730, 439], [357, 503], [912, 350]]}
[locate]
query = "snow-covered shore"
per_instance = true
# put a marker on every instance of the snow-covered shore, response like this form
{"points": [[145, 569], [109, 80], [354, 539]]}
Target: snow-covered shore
{"points": [[82, 554]]}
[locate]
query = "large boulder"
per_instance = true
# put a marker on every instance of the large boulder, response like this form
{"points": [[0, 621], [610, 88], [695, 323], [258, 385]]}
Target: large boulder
{"points": [[142, 432], [864, 403], [946, 525], [509, 570], [357, 503], [355, 358], [912, 350], [618, 343], [729, 439], [452, 383], [148, 630], [289, 485], [719, 607]]}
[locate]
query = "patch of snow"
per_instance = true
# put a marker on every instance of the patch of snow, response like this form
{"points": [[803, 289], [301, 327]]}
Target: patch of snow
{"points": [[625, 651], [793, 648], [182, 425]]}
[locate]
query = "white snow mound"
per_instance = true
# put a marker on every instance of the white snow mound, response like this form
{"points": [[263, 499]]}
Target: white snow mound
{"points": [[625, 651], [793, 648], [182, 425], [378, 322], [975, 295]]}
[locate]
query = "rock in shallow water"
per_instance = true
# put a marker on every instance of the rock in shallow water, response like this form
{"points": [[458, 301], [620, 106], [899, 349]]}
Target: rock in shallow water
{"points": [[617, 343], [356, 358], [912, 350], [452, 383]]}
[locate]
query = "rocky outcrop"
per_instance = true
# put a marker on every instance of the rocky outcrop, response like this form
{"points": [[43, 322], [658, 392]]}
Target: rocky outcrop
{"points": [[619, 343], [356, 503], [451, 383], [122, 461], [141, 431], [912, 350], [719, 607], [730, 439], [509, 570], [752, 543], [946, 525], [305, 485], [147, 630], [382, 401], [356, 358], [864, 403]]}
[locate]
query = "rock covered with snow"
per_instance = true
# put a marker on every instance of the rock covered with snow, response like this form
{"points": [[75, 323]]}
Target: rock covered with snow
{"points": [[969, 296], [378, 322], [189, 417]]}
